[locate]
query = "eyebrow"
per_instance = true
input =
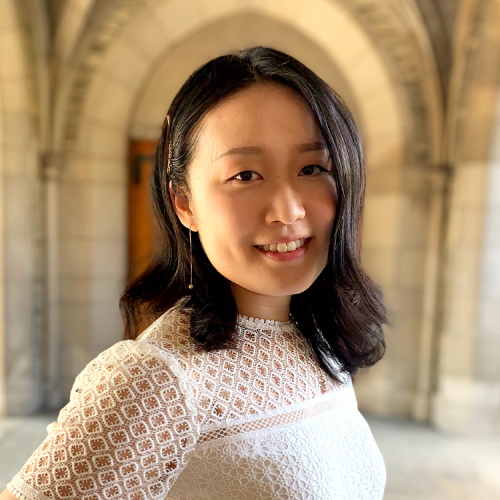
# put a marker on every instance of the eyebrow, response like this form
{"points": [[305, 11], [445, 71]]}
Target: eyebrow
{"points": [[254, 150]]}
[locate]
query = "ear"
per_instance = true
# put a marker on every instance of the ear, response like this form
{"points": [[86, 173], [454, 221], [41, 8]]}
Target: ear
{"points": [[182, 206]]}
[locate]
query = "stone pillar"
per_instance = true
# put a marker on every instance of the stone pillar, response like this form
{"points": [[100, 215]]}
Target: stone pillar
{"points": [[427, 348], [2, 295], [468, 397], [20, 185], [394, 252], [52, 164], [453, 407]]}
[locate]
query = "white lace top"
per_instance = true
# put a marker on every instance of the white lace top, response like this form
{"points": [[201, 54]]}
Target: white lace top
{"points": [[160, 418]]}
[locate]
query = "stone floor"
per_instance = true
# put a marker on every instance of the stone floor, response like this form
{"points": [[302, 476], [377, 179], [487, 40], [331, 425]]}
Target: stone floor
{"points": [[421, 463]]}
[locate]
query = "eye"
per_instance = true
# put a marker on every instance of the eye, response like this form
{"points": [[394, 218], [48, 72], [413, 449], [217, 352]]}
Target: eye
{"points": [[319, 166], [244, 174]]}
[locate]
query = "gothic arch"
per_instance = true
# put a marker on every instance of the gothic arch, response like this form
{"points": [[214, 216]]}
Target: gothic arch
{"points": [[94, 122]]}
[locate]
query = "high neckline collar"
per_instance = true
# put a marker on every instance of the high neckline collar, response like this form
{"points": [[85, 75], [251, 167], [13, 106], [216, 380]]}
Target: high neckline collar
{"points": [[251, 322], [254, 323]]}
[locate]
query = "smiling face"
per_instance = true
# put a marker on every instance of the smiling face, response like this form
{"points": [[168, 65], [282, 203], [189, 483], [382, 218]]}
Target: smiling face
{"points": [[260, 172]]}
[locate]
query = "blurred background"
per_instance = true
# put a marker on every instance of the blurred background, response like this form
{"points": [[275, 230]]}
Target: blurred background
{"points": [[84, 88]]}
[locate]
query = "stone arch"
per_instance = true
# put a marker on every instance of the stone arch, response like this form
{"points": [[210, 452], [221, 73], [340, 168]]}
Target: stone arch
{"points": [[71, 22], [324, 22], [217, 38], [93, 182]]}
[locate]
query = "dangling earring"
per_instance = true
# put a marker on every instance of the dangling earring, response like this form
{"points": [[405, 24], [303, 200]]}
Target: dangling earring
{"points": [[191, 259], [169, 143]]}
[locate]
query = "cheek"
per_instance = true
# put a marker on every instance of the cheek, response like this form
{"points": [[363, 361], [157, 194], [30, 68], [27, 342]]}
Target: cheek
{"points": [[236, 213], [227, 224], [228, 214], [324, 205]]}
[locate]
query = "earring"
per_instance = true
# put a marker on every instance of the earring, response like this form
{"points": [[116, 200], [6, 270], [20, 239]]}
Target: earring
{"points": [[169, 140], [191, 259]]}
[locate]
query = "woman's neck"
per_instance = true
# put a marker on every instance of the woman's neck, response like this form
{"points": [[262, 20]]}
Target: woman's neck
{"points": [[260, 306]]}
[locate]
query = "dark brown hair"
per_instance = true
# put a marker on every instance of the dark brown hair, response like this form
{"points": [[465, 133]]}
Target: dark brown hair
{"points": [[341, 314]]}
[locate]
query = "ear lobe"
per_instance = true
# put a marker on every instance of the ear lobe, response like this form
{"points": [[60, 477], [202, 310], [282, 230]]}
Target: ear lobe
{"points": [[182, 208]]}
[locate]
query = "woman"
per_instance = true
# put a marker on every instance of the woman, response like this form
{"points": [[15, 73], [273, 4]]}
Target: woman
{"points": [[241, 387]]}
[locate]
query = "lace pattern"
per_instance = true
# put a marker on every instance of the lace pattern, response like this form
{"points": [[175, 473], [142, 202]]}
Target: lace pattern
{"points": [[272, 367], [160, 418], [339, 399], [24, 491], [329, 456], [126, 432]]}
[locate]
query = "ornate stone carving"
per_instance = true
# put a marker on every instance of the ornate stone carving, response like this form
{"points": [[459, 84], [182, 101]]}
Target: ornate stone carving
{"points": [[386, 22], [388, 25], [107, 20]]}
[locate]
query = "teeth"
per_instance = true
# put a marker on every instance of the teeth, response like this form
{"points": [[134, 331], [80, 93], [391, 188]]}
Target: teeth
{"points": [[284, 247]]}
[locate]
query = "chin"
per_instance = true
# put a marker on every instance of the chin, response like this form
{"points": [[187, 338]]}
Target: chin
{"points": [[275, 290]]}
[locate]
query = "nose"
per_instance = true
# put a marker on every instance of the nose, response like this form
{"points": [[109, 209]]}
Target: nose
{"points": [[286, 205]]}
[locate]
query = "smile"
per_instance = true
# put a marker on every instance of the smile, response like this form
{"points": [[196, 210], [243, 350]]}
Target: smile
{"points": [[283, 247], [286, 254]]}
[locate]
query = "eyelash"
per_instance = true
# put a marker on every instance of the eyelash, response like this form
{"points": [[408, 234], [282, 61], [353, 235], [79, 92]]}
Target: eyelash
{"points": [[311, 165]]}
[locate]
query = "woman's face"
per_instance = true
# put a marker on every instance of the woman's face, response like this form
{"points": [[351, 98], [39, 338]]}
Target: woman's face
{"points": [[260, 173]]}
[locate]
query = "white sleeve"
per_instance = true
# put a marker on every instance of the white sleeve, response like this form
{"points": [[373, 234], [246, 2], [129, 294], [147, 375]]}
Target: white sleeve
{"points": [[126, 433]]}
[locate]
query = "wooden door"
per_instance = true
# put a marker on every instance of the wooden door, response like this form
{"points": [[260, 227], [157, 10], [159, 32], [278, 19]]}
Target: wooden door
{"points": [[143, 230]]}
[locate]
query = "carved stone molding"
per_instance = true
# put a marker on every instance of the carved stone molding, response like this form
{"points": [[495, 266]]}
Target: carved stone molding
{"points": [[390, 30], [384, 21], [470, 69], [107, 20]]}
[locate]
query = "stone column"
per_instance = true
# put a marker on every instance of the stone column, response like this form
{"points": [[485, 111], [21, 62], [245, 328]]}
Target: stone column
{"points": [[52, 164], [396, 228], [427, 347], [468, 397], [2, 295], [453, 405], [20, 184]]}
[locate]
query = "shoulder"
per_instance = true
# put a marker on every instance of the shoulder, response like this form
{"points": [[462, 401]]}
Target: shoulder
{"points": [[130, 400], [127, 367], [171, 332], [157, 355]]}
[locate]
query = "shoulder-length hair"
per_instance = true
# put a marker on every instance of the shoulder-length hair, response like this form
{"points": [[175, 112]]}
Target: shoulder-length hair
{"points": [[341, 314]]}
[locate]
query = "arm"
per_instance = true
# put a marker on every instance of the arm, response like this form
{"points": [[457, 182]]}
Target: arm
{"points": [[128, 429], [7, 495]]}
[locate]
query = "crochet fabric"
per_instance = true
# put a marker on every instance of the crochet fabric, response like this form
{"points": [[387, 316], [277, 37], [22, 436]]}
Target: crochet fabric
{"points": [[160, 418]]}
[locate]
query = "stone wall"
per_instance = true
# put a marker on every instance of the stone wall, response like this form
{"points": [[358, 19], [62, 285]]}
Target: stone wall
{"points": [[22, 346], [468, 376]]}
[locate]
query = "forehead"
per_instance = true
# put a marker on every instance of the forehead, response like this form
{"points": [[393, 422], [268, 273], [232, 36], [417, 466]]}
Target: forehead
{"points": [[265, 115]]}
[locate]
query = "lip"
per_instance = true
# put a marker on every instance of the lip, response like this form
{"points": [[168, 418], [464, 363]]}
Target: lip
{"points": [[287, 256]]}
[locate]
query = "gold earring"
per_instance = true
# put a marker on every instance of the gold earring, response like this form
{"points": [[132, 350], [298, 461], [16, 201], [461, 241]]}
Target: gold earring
{"points": [[191, 259], [169, 141]]}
